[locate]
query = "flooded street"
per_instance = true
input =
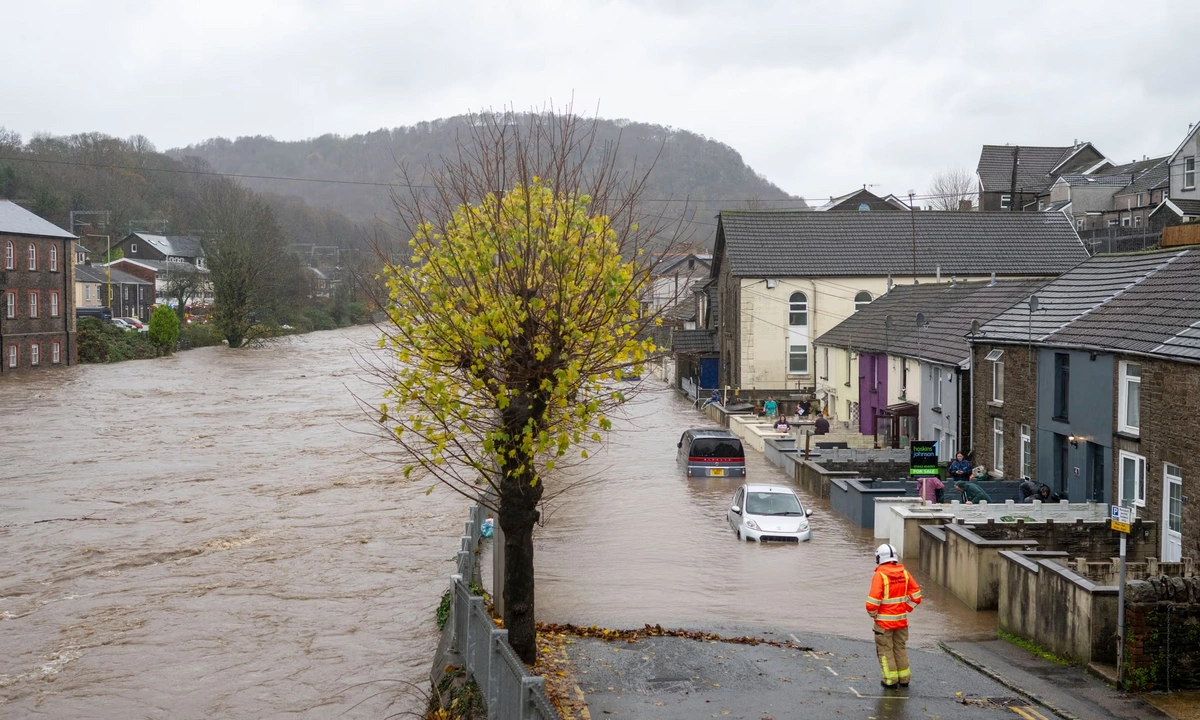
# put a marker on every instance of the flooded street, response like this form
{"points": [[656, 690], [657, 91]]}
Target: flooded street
{"points": [[206, 536], [642, 543], [242, 556]]}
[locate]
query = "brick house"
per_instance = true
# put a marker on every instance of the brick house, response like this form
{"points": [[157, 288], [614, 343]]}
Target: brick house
{"points": [[37, 315], [1020, 177], [1099, 385]]}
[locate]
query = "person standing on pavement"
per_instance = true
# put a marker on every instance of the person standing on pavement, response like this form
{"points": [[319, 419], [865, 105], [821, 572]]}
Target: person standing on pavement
{"points": [[770, 407], [804, 409], [894, 593]]}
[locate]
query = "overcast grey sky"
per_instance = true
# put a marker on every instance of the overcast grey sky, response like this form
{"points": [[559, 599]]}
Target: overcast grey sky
{"points": [[820, 97]]}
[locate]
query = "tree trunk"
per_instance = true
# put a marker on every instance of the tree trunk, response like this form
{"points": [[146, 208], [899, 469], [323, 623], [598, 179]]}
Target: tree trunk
{"points": [[517, 518]]}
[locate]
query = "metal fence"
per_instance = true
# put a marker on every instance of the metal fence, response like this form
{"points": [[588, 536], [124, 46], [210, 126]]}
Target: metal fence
{"points": [[511, 692]]}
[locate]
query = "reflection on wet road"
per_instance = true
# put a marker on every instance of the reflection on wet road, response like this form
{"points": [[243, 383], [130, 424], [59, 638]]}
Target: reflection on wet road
{"points": [[242, 556], [639, 542]]}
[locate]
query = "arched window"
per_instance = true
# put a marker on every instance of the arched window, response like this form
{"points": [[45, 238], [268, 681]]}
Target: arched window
{"points": [[9, 255], [861, 300], [798, 334], [32, 256], [53, 258]]}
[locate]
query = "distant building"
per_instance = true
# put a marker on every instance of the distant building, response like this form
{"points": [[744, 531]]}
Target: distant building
{"points": [[861, 201], [1016, 177], [125, 294], [166, 248], [1183, 201], [37, 316]]}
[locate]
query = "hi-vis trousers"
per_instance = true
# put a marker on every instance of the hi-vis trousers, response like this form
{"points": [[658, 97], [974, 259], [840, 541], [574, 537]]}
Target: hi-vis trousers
{"points": [[892, 648]]}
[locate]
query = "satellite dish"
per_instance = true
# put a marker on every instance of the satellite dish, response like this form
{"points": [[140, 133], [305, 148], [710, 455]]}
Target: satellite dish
{"points": [[1033, 304], [887, 321], [974, 327], [920, 319]]}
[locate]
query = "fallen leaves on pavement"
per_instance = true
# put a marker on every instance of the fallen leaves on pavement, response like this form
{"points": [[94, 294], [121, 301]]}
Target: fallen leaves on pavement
{"points": [[631, 636]]}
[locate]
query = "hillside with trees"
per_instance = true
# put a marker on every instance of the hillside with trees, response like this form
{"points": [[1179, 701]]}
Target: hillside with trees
{"points": [[367, 167]]}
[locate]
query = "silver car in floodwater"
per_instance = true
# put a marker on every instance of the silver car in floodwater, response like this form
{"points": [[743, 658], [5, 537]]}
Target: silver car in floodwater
{"points": [[769, 513], [711, 452]]}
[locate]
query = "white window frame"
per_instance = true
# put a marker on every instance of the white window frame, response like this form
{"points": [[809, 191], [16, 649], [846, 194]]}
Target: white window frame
{"points": [[1137, 220], [859, 302], [1079, 224], [10, 255], [33, 304], [998, 445], [998, 382], [1139, 200], [14, 356], [1005, 202], [1189, 173], [825, 363], [32, 257], [1026, 451], [797, 340], [937, 386], [132, 247], [10, 305], [1125, 380], [35, 353], [1125, 220], [55, 353], [1112, 222], [53, 258], [1139, 483], [53, 304], [87, 292]]}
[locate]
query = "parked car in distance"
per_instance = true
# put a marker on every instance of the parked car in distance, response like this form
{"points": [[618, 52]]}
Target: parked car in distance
{"points": [[121, 323], [136, 324], [769, 513], [711, 452], [101, 313]]}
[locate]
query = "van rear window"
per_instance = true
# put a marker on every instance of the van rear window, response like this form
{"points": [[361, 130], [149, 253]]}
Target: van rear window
{"points": [[717, 448]]}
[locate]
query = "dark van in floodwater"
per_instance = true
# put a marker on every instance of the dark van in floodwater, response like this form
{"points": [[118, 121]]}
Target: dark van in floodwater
{"points": [[708, 452]]}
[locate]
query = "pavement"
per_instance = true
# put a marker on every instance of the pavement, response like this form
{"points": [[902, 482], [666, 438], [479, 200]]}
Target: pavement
{"points": [[669, 677]]}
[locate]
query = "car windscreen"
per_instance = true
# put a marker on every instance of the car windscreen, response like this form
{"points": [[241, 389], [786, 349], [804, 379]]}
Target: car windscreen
{"points": [[772, 503], [710, 447]]}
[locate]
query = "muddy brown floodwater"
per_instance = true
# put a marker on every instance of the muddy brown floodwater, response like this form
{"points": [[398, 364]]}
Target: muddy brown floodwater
{"points": [[242, 557], [206, 536], [638, 542]]}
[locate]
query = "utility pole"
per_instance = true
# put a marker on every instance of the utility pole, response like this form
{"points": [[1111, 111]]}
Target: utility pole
{"points": [[912, 216], [1012, 192]]}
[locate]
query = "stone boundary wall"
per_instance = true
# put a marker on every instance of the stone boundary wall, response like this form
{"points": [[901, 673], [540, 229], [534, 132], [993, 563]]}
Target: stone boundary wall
{"points": [[1162, 634]]}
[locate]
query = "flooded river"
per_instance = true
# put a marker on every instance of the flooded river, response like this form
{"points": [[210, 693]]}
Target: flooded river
{"points": [[209, 536]]}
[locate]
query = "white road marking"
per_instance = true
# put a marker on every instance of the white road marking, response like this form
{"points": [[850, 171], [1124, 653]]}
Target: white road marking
{"points": [[877, 697], [831, 670]]}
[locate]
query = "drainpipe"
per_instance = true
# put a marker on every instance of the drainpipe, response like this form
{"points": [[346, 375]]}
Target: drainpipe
{"points": [[67, 304]]}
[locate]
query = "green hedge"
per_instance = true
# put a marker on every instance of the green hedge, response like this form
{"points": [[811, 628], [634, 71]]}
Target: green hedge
{"points": [[101, 342]]}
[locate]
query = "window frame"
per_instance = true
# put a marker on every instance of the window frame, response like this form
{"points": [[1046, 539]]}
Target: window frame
{"points": [[1189, 184], [35, 353], [1124, 381], [54, 305], [1005, 202], [1062, 387], [937, 386], [1125, 220], [859, 303], [33, 257], [998, 444], [33, 304], [14, 355], [10, 255], [1026, 450], [825, 362], [55, 352], [10, 304], [797, 353], [132, 248], [1168, 510], [998, 382], [1139, 483], [1137, 220], [53, 258]]}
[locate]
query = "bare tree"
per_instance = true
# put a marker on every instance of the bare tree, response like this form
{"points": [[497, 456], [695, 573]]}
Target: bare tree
{"points": [[184, 283], [950, 188], [516, 315]]}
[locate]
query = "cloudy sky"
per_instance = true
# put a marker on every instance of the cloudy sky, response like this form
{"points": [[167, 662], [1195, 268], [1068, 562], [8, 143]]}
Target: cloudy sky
{"points": [[821, 97]]}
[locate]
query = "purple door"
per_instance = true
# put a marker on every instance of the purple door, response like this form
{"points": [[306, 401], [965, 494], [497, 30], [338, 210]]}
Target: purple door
{"points": [[872, 390]]}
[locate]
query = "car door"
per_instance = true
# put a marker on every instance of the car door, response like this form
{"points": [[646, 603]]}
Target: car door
{"points": [[735, 519], [685, 442]]}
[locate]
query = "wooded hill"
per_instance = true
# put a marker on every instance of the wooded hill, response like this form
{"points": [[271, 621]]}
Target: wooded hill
{"points": [[686, 165]]}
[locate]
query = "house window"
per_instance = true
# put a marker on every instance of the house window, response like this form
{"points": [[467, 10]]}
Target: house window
{"points": [[1130, 405], [861, 300], [1133, 479], [53, 304], [798, 334], [1125, 220], [9, 254], [33, 308], [1189, 173], [1139, 200], [997, 378], [87, 292], [32, 256], [1079, 224], [132, 248], [35, 353], [1062, 385], [55, 352], [903, 379], [1137, 220], [998, 445], [1026, 452], [937, 387], [1005, 202], [12, 356], [1112, 222], [849, 368], [10, 305], [1173, 476], [53, 258]]}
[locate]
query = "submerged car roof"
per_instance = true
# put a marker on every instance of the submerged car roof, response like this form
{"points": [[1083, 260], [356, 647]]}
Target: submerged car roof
{"points": [[711, 432], [769, 488]]}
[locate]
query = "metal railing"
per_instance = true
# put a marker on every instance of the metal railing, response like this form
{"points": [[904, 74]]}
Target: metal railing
{"points": [[510, 690]]}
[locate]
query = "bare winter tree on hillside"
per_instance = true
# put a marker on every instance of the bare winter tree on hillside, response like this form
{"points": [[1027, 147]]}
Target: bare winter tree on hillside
{"points": [[184, 283], [950, 188]]}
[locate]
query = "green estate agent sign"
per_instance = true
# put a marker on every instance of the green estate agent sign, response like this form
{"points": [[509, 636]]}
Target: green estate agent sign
{"points": [[924, 458]]}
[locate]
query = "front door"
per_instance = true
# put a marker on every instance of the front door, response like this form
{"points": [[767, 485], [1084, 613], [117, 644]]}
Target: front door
{"points": [[1172, 538]]}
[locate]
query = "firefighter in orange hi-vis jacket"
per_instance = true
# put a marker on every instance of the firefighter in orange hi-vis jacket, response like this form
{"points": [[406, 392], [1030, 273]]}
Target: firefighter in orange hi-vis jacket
{"points": [[894, 593]]}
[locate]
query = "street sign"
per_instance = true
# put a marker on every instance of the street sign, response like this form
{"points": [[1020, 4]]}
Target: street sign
{"points": [[923, 458], [1122, 518]]}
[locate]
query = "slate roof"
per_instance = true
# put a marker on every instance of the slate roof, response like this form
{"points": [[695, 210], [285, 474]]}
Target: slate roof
{"points": [[173, 245], [97, 273], [1056, 206], [1118, 181], [788, 243], [948, 310], [855, 198], [1155, 177], [694, 342], [16, 220], [163, 265], [1033, 169], [1186, 207], [1145, 303]]}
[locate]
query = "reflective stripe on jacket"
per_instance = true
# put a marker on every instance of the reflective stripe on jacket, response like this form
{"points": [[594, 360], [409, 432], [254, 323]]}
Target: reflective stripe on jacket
{"points": [[893, 594]]}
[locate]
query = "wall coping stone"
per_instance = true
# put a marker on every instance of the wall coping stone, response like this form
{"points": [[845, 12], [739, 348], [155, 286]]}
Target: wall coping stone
{"points": [[967, 534]]}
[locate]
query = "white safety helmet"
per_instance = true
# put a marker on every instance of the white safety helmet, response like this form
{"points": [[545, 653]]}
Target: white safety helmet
{"points": [[885, 554]]}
